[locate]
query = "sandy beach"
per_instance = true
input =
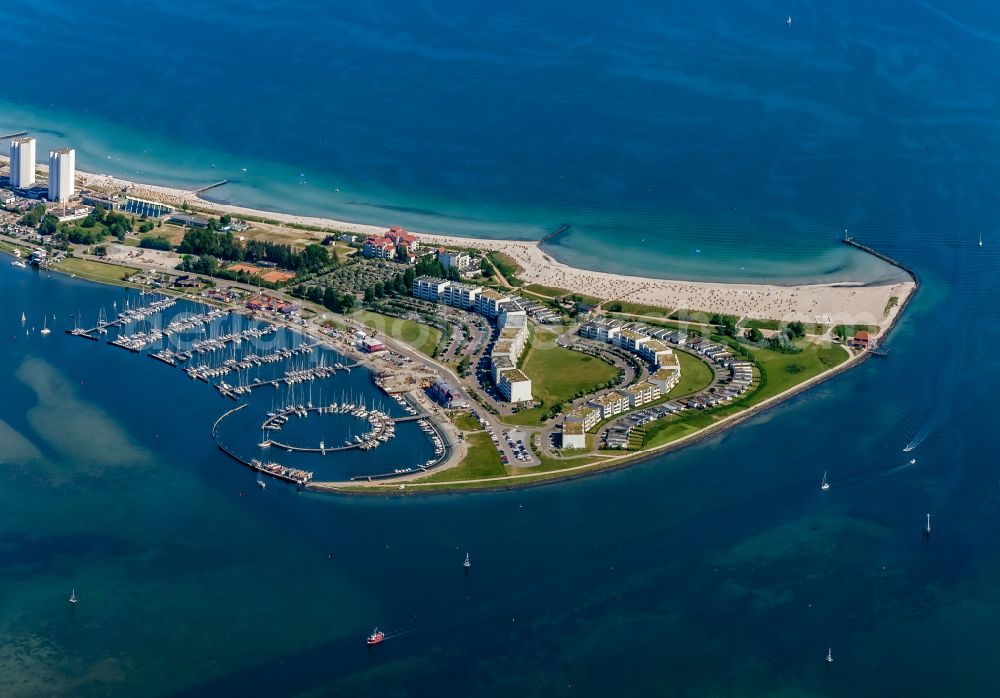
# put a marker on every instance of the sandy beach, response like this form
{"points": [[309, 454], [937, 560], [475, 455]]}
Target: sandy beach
{"points": [[839, 303]]}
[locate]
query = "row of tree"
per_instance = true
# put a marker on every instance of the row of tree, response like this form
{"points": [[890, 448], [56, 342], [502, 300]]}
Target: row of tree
{"points": [[331, 300], [223, 245]]}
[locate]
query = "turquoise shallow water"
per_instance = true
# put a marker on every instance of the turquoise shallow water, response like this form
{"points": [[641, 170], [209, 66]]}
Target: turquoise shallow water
{"points": [[720, 570]]}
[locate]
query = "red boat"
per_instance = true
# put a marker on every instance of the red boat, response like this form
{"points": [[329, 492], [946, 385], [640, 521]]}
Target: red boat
{"points": [[376, 638]]}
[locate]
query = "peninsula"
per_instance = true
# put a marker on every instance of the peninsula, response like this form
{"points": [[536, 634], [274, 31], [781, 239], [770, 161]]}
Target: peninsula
{"points": [[527, 370]]}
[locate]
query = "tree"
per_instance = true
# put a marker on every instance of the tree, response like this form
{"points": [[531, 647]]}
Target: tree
{"points": [[156, 242], [463, 365], [755, 335], [369, 295], [49, 224], [225, 220]]}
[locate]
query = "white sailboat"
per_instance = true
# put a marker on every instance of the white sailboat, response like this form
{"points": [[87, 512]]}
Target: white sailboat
{"points": [[260, 483], [72, 596], [789, 20], [927, 531], [826, 485], [980, 239], [467, 564], [45, 326], [24, 318], [829, 655]]}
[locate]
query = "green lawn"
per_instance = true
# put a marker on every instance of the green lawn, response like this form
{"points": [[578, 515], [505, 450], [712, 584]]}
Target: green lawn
{"points": [[550, 291], [778, 373], [422, 337], [636, 309], [482, 461], [811, 328], [466, 422], [695, 375], [557, 374], [95, 271], [556, 292]]}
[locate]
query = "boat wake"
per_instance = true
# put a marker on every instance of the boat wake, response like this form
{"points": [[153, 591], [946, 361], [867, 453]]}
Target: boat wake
{"points": [[899, 468], [919, 438]]}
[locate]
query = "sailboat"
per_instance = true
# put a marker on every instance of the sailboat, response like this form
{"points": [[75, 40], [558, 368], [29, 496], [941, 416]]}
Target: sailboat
{"points": [[467, 564], [45, 326], [980, 239], [829, 655], [24, 318], [72, 596], [826, 485], [927, 531], [789, 20], [260, 483]]}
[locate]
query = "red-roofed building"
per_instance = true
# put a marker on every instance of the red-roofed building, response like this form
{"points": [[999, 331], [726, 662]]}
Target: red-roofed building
{"points": [[402, 238], [861, 339], [379, 248]]}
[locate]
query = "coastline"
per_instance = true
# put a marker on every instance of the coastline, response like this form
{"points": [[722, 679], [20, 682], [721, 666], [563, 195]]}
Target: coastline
{"points": [[849, 303], [843, 303], [528, 479], [613, 463]]}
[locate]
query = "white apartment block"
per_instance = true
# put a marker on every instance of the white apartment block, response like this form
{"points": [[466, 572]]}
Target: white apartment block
{"points": [[22, 162], [611, 404], [429, 288], [641, 393], [459, 260], [461, 295], [573, 435], [488, 303], [515, 386], [587, 416], [633, 341], [666, 379], [62, 174]]}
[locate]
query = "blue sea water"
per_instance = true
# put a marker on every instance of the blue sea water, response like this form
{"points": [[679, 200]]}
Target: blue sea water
{"points": [[654, 129]]}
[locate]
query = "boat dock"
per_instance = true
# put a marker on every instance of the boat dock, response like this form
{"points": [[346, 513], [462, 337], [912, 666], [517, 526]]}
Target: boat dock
{"points": [[275, 470], [14, 135]]}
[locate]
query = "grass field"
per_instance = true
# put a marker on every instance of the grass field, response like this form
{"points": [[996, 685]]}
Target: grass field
{"points": [[811, 328], [95, 271], [507, 266], [482, 461], [466, 422], [422, 337], [550, 291], [695, 375], [636, 309], [557, 374], [555, 292], [778, 373]]}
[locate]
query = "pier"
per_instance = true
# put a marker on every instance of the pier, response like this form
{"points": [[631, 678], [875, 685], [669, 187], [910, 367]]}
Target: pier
{"points": [[198, 192], [878, 349], [555, 233], [275, 470], [880, 255], [14, 135]]}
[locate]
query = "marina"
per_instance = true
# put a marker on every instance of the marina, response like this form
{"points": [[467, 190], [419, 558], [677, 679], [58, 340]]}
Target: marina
{"points": [[213, 345]]}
